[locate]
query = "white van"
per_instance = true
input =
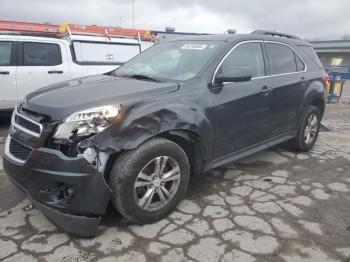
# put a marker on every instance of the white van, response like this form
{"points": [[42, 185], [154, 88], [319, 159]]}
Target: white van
{"points": [[31, 62]]}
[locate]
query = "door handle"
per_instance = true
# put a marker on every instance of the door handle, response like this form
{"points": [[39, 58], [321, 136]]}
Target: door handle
{"points": [[55, 72], [265, 90], [4, 72]]}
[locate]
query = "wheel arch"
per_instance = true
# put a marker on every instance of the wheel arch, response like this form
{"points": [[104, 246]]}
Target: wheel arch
{"points": [[191, 143], [315, 95], [320, 104]]}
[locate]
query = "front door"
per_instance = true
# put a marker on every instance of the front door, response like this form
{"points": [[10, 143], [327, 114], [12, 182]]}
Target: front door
{"points": [[8, 92], [242, 109]]}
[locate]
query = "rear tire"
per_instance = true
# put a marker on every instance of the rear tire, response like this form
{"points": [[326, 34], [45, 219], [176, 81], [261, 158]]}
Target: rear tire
{"points": [[150, 195], [308, 130]]}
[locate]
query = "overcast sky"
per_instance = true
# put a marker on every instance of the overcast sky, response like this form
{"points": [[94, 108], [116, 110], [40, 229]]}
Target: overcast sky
{"points": [[307, 18]]}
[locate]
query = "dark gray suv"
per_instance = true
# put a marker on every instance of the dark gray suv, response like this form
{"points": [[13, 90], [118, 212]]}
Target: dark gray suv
{"points": [[135, 135]]}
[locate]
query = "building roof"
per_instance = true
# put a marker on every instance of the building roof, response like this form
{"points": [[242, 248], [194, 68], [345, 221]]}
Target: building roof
{"points": [[331, 46]]}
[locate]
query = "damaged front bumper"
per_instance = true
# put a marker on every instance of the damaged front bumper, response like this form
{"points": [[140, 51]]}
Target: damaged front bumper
{"points": [[71, 192]]}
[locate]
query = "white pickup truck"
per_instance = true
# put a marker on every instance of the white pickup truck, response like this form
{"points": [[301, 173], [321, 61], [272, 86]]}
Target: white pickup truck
{"points": [[31, 62]]}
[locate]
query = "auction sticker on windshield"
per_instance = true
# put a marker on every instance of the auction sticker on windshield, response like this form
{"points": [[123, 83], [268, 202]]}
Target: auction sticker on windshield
{"points": [[194, 46]]}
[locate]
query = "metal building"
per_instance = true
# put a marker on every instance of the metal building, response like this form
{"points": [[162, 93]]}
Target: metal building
{"points": [[334, 54]]}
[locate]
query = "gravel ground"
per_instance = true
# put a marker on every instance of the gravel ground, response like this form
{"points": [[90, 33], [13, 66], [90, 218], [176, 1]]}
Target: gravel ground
{"points": [[273, 206]]}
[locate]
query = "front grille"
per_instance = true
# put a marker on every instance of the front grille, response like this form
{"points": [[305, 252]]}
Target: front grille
{"points": [[27, 124], [19, 150]]}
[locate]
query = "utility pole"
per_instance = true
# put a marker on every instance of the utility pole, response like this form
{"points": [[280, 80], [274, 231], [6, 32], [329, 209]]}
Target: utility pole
{"points": [[133, 13]]}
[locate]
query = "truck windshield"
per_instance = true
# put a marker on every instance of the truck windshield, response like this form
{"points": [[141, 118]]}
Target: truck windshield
{"points": [[174, 61]]}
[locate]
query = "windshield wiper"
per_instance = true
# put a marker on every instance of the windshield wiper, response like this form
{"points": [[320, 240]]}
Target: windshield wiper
{"points": [[142, 77]]}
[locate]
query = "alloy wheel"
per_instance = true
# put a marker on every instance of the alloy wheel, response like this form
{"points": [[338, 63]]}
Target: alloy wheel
{"points": [[157, 183], [311, 128]]}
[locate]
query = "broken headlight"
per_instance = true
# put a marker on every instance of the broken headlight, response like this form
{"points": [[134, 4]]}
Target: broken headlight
{"points": [[87, 122]]}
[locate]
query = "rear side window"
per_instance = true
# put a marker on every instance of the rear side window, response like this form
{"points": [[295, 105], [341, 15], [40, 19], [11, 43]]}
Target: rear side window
{"points": [[108, 53], [5, 53], [300, 64], [310, 52], [247, 55], [41, 54], [282, 59]]}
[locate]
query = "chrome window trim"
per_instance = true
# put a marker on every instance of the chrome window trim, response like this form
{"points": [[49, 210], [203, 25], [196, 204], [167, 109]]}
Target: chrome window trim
{"points": [[9, 155], [259, 77], [13, 123], [228, 53]]}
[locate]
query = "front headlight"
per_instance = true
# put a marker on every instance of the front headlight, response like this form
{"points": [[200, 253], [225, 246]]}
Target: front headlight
{"points": [[87, 122]]}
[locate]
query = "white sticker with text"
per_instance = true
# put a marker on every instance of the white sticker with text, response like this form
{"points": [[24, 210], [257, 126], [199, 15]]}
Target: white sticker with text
{"points": [[194, 46]]}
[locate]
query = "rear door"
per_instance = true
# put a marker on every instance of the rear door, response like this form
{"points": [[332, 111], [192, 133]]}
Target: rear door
{"points": [[289, 84], [8, 92], [40, 64]]}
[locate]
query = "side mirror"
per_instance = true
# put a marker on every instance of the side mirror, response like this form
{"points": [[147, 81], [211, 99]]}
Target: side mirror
{"points": [[236, 74]]}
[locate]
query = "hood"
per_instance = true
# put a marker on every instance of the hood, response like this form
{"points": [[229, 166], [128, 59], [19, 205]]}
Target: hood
{"points": [[60, 100]]}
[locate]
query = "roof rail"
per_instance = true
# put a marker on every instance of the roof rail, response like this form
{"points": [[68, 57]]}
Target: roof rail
{"points": [[273, 33]]}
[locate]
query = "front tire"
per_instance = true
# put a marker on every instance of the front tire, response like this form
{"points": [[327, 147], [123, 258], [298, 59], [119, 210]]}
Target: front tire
{"points": [[149, 181], [308, 130]]}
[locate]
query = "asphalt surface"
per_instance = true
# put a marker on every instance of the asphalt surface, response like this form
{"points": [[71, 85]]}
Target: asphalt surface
{"points": [[346, 92], [273, 206]]}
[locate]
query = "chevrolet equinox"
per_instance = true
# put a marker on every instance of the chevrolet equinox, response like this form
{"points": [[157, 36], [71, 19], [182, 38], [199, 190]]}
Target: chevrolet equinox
{"points": [[134, 136]]}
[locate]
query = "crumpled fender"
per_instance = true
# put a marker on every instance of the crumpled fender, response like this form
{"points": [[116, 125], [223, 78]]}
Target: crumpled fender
{"points": [[143, 120]]}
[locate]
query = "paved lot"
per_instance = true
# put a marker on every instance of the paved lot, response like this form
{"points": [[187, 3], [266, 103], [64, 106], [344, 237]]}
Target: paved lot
{"points": [[273, 206], [346, 92]]}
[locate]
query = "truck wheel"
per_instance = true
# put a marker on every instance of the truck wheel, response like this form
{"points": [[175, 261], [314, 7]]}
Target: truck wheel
{"points": [[308, 130], [149, 181]]}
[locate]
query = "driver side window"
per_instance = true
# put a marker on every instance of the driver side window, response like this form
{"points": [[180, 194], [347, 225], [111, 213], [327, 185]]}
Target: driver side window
{"points": [[247, 55]]}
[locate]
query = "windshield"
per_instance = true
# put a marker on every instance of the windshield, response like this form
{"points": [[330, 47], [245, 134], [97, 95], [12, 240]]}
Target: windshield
{"points": [[178, 61]]}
